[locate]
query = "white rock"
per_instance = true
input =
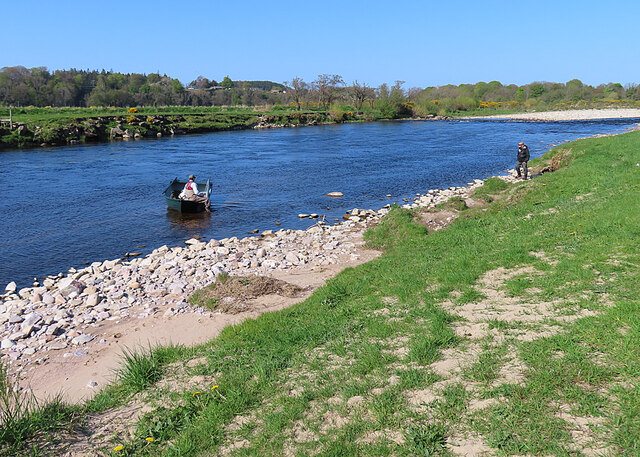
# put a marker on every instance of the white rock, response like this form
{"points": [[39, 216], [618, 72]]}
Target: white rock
{"points": [[83, 339], [30, 320], [7, 344], [11, 287]]}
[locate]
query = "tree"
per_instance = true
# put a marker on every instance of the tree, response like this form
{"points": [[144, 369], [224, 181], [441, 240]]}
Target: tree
{"points": [[227, 83], [326, 87], [298, 90], [360, 93], [536, 90]]}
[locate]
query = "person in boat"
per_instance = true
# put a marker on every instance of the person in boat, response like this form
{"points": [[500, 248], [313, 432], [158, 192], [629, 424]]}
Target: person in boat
{"points": [[190, 192]]}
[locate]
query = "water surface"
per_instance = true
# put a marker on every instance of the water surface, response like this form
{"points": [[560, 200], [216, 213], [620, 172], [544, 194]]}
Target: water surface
{"points": [[66, 206]]}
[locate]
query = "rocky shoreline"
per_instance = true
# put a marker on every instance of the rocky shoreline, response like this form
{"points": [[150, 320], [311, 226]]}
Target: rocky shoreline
{"points": [[67, 314], [568, 115]]}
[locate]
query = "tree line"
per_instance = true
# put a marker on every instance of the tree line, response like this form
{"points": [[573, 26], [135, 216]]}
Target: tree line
{"points": [[20, 86]]}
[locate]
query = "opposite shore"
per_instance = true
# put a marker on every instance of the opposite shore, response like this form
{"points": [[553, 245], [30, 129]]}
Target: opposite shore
{"points": [[133, 126]]}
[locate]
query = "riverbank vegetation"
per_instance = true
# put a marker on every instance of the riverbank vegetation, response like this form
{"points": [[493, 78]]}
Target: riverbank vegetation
{"points": [[38, 107], [513, 331]]}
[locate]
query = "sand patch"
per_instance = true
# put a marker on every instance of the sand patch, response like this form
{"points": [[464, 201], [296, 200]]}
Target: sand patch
{"points": [[437, 220]]}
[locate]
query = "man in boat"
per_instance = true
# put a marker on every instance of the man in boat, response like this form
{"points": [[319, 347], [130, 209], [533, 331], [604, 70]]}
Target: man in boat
{"points": [[522, 159], [190, 192]]}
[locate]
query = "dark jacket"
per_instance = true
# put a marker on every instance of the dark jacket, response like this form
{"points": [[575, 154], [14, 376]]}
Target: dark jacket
{"points": [[523, 153]]}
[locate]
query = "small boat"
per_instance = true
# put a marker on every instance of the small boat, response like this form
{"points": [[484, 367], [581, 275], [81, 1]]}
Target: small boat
{"points": [[184, 206]]}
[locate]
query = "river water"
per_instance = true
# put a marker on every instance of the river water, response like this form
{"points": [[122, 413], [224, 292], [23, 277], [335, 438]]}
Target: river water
{"points": [[66, 206]]}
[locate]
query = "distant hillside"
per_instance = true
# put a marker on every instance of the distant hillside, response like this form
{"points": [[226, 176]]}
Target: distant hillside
{"points": [[262, 85]]}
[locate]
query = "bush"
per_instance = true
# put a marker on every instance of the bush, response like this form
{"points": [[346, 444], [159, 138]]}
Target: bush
{"points": [[337, 114]]}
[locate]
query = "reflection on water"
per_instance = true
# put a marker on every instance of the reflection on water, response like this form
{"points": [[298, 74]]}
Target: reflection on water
{"points": [[196, 222], [97, 202]]}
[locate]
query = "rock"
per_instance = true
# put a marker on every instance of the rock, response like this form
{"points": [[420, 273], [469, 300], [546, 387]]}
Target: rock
{"points": [[15, 319], [30, 320], [7, 344], [25, 293], [58, 345], [303, 216], [11, 287], [260, 253], [17, 336], [83, 339], [92, 300], [68, 285], [193, 241], [335, 194], [91, 384], [176, 289], [291, 257]]}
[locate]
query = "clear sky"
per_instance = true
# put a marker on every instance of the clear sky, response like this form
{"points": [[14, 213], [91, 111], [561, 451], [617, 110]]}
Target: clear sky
{"points": [[424, 43]]}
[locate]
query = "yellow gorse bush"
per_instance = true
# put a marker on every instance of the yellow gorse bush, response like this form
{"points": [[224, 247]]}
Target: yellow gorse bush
{"points": [[132, 110]]}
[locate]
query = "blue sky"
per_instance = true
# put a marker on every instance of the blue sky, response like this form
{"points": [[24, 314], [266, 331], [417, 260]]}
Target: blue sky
{"points": [[424, 43]]}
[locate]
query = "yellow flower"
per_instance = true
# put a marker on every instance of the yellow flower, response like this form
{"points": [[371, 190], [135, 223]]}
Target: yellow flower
{"points": [[118, 448], [544, 184], [196, 393], [214, 387], [150, 439]]}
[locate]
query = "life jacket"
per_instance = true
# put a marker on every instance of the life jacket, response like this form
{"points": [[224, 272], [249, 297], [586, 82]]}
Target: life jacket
{"points": [[189, 194]]}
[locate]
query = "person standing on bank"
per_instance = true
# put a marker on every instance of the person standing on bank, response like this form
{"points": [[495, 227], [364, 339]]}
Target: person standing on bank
{"points": [[523, 158], [190, 192]]}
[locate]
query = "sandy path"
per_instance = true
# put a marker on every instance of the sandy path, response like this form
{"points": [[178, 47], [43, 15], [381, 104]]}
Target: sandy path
{"points": [[569, 115]]}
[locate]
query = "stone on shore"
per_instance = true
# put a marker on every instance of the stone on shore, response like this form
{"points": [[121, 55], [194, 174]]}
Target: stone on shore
{"points": [[11, 287]]}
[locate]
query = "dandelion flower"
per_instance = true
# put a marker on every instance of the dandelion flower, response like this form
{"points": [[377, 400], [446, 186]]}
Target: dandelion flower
{"points": [[544, 184], [214, 387], [150, 439], [196, 393], [118, 448]]}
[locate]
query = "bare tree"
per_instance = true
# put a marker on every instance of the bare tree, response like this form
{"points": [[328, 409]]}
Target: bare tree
{"points": [[326, 87], [298, 90], [360, 93]]}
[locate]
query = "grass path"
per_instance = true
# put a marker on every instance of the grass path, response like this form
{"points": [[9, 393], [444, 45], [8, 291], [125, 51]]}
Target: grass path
{"points": [[515, 331]]}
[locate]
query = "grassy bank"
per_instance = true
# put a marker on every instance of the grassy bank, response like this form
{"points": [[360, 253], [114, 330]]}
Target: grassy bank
{"points": [[515, 331], [59, 126]]}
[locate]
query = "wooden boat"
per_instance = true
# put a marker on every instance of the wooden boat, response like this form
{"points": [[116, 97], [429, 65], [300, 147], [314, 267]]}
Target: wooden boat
{"points": [[185, 206]]}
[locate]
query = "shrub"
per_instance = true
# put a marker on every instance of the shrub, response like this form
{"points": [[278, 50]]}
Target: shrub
{"points": [[132, 110], [337, 114]]}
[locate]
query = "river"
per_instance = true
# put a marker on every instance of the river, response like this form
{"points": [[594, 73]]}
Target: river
{"points": [[66, 206]]}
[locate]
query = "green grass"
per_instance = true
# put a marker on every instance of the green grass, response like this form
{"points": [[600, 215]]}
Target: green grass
{"points": [[352, 370]]}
